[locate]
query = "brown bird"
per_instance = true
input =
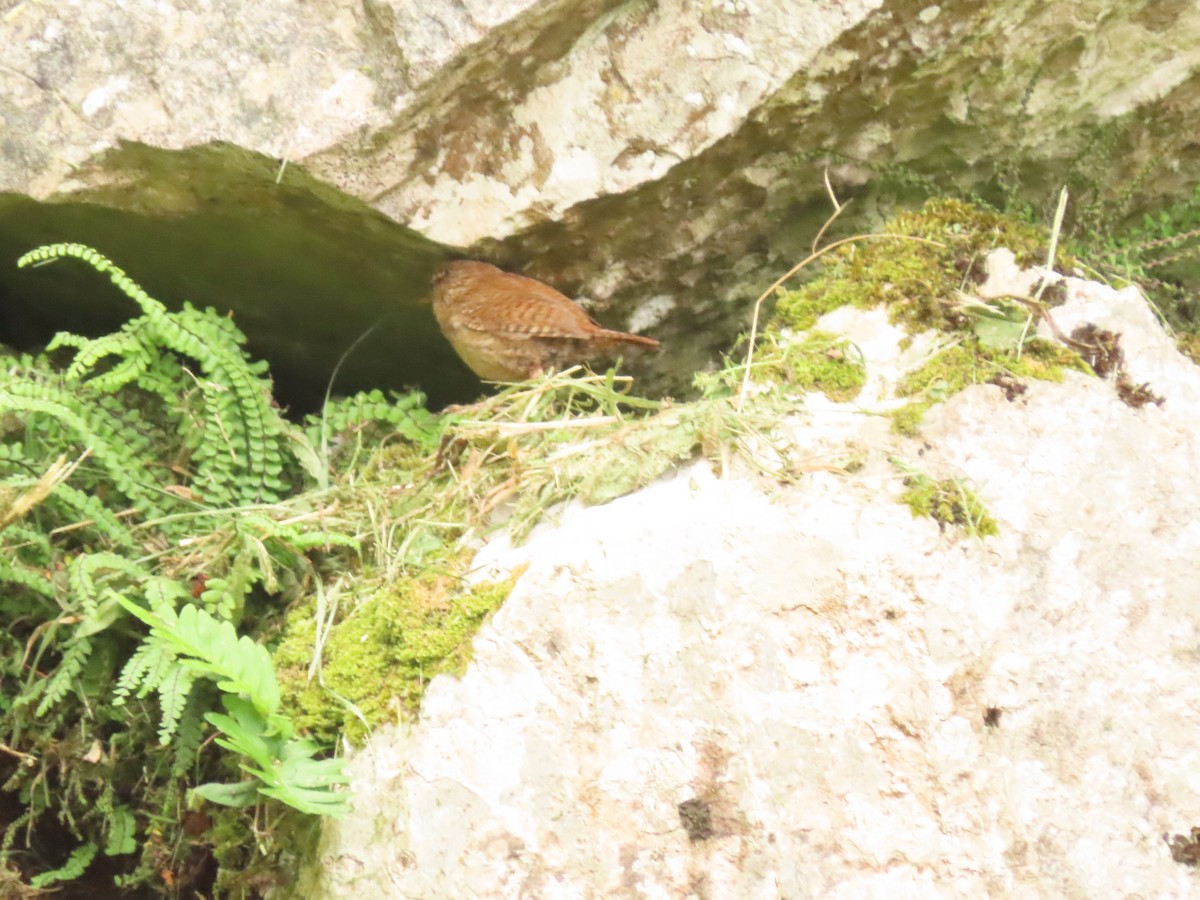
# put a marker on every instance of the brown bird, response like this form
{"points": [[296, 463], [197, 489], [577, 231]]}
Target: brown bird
{"points": [[508, 327]]}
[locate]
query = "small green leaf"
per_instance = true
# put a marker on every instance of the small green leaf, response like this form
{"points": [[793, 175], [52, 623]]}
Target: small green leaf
{"points": [[122, 833], [80, 858], [1000, 334], [242, 793]]}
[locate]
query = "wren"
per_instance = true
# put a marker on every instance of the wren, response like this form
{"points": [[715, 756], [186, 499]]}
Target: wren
{"points": [[507, 327]]}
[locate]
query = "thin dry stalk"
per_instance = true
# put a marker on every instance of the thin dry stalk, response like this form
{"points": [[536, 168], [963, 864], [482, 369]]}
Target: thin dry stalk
{"points": [[59, 471], [779, 282]]}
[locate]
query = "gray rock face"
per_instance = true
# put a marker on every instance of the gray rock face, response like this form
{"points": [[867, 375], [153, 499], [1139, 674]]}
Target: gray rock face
{"points": [[720, 687], [664, 160]]}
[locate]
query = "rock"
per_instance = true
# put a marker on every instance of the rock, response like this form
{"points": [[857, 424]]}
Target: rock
{"points": [[664, 160], [723, 687]]}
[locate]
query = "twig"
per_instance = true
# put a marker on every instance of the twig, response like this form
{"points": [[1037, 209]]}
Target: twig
{"points": [[837, 211]]}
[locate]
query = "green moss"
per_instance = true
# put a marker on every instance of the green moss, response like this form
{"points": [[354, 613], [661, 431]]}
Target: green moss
{"points": [[918, 280], [820, 362], [943, 376], [908, 418], [381, 655], [915, 279], [800, 309], [970, 363], [1041, 359], [947, 502]]}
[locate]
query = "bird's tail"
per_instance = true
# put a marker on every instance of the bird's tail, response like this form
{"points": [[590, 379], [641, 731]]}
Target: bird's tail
{"points": [[623, 337]]}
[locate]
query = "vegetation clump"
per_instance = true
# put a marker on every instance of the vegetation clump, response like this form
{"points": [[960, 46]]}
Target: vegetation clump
{"points": [[1160, 252], [925, 277], [916, 280], [163, 526], [948, 502], [817, 362], [154, 514], [968, 362], [371, 666]]}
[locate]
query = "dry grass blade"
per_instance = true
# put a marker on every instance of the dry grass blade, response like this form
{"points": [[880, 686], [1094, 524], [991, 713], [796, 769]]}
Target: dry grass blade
{"points": [[59, 471]]}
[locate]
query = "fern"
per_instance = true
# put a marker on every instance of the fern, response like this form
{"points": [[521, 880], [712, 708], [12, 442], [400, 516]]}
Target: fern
{"points": [[155, 666], [283, 765], [343, 422], [81, 857], [189, 731], [173, 688], [110, 447], [212, 647], [237, 450], [405, 412], [143, 670], [243, 669], [180, 448], [64, 677], [27, 542], [88, 510], [15, 573], [122, 832]]}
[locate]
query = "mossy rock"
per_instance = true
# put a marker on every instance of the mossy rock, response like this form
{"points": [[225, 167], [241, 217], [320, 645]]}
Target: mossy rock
{"points": [[378, 659], [914, 278]]}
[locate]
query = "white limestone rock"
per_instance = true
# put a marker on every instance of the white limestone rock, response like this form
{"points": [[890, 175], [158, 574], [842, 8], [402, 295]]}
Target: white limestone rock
{"points": [[866, 706]]}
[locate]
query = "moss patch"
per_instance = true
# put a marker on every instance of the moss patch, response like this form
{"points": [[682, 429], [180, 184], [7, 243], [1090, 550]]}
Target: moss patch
{"points": [[799, 309], [915, 279], [919, 282], [820, 362], [967, 363], [907, 419], [381, 655], [947, 502], [970, 363]]}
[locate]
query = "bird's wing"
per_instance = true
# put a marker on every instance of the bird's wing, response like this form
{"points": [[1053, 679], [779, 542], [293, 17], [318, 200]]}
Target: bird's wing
{"points": [[515, 304]]}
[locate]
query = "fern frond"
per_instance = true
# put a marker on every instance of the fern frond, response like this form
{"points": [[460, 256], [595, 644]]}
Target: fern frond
{"points": [[189, 731], [144, 670], [122, 832], [226, 597], [13, 828], [406, 412], [80, 858], [65, 676], [84, 569], [16, 573], [164, 593], [212, 647], [173, 692], [79, 506], [88, 353], [67, 339], [283, 765], [114, 455], [239, 458], [28, 542], [97, 261]]}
